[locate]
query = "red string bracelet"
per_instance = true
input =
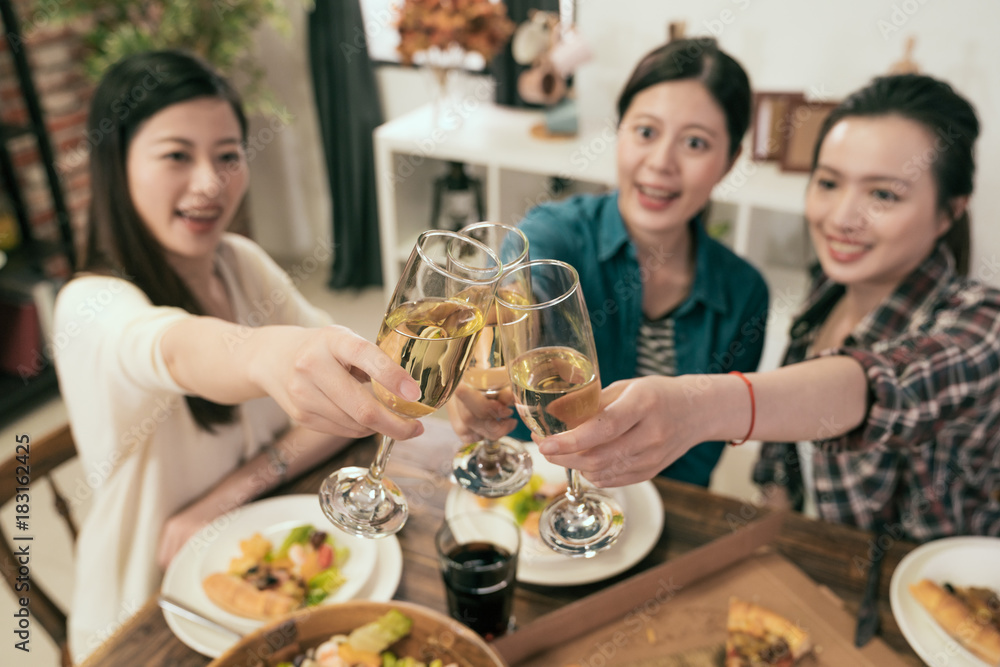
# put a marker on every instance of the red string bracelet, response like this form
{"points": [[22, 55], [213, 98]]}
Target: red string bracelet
{"points": [[753, 409]]}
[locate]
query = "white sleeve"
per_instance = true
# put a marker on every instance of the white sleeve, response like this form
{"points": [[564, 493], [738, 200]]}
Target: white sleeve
{"points": [[275, 287], [105, 325]]}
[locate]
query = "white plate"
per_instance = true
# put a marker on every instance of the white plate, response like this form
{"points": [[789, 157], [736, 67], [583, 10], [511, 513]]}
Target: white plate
{"points": [[960, 561], [537, 564], [373, 569]]}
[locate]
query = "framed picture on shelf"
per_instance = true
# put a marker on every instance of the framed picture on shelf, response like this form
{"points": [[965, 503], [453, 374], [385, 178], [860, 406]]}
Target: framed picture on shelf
{"points": [[770, 124], [804, 121]]}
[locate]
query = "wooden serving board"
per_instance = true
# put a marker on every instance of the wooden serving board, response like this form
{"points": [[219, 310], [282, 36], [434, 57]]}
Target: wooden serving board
{"points": [[706, 656]]}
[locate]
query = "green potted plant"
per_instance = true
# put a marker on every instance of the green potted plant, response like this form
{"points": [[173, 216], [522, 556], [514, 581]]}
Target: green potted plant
{"points": [[220, 31]]}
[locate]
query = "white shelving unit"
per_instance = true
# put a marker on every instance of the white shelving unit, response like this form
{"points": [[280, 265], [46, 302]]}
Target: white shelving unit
{"points": [[496, 145], [762, 205]]}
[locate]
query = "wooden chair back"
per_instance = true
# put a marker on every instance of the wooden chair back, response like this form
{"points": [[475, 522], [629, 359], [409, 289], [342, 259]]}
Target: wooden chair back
{"points": [[30, 462]]}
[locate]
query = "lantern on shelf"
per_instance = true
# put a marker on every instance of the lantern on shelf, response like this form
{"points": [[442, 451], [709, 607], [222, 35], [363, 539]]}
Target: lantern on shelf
{"points": [[458, 199]]}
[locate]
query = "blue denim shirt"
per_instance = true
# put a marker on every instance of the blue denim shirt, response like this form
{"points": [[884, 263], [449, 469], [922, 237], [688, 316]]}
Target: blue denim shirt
{"points": [[718, 328]]}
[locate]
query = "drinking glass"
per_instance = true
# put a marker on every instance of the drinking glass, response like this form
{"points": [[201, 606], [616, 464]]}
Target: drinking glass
{"points": [[552, 363], [477, 554], [430, 327], [493, 468]]}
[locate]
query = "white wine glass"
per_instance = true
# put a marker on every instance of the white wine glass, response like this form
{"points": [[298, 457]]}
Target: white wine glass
{"points": [[552, 363], [431, 324], [493, 468]]}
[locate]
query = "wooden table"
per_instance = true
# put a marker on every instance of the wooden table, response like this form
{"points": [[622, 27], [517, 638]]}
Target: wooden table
{"points": [[693, 516]]}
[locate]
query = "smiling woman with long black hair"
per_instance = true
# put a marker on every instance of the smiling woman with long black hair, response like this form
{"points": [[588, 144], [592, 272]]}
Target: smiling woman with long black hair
{"points": [[187, 348]]}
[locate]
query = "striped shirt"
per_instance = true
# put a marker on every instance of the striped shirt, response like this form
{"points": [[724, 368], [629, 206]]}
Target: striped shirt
{"points": [[656, 353], [927, 456]]}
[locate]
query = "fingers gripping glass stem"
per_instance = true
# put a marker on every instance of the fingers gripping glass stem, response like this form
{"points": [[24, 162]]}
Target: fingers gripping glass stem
{"points": [[431, 324], [546, 335], [376, 506]]}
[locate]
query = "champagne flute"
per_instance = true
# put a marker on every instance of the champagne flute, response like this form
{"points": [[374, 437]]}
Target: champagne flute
{"points": [[430, 327], [552, 364], [493, 468]]}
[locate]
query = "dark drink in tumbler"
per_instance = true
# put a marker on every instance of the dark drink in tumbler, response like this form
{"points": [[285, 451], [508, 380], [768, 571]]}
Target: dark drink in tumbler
{"points": [[479, 581]]}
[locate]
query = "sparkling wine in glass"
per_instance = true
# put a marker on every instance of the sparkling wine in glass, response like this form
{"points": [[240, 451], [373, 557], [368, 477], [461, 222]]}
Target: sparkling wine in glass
{"points": [[430, 327], [552, 364], [493, 468]]}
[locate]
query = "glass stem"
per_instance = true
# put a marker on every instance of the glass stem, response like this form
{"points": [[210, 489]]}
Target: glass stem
{"points": [[377, 468], [574, 492], [491, 450]]}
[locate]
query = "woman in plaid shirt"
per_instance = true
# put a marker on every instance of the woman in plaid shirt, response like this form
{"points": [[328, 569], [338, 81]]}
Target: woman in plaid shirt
{"points": [[893, 370]]}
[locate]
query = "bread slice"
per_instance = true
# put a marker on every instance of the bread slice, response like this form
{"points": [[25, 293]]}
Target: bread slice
{"points": [[240, 597], [976, 634]]}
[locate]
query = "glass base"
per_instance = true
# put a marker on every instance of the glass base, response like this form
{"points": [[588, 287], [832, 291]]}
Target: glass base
{"points": [[479, 473], [581, 531], [357, 505]]}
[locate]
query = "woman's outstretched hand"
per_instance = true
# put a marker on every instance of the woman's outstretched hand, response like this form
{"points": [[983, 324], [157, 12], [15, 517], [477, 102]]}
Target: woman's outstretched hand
{"points": [[644, 424], [320, 378], [475, 417]]}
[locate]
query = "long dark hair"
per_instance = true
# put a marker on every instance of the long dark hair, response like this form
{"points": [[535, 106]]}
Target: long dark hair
{"points": [[948, 116], [118, 242], [702, 60]]}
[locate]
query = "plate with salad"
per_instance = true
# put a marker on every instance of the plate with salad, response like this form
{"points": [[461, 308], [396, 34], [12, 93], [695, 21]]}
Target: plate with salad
{"points": [[267, 559], [536, 563]]}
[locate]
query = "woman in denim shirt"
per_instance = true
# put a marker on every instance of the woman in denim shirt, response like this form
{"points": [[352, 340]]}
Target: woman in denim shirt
{"points": [[664, 297]]}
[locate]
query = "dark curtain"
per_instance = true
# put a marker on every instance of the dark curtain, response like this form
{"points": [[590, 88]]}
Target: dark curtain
{"points": [[503, 68], [348, 106]]}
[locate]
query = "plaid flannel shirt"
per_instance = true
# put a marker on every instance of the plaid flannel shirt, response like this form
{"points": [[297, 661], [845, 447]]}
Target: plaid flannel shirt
{"points": [[927, 456]]}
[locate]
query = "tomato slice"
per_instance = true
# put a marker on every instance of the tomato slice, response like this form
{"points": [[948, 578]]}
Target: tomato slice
{"points": [[325, 554]]}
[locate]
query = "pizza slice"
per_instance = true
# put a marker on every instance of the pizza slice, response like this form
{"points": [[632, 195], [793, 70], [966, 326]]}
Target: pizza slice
{"points": [[970, 615], [758, 637]]}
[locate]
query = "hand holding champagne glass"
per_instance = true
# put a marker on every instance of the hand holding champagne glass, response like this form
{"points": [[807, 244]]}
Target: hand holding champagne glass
{"points": [[552, 363], [493, 468], [430, 327]]}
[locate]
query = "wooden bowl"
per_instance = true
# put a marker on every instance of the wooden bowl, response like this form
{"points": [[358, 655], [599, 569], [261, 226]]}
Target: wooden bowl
{"points": [[433, 635]]}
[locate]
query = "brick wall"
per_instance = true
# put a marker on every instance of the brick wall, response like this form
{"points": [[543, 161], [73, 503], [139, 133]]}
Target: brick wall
{"points": [[55, 56]]}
